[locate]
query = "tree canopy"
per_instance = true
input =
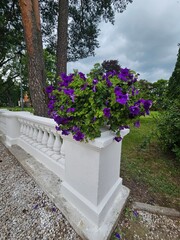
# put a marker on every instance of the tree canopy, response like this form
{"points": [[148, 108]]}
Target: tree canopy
{"points": [[82, 28], [174, 81]]}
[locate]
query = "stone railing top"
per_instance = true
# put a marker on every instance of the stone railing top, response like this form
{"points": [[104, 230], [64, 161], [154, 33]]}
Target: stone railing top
{"points": [[30, 117], [107, 137]]}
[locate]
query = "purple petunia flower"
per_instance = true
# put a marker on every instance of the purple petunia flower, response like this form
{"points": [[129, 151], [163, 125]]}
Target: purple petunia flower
{"points": [[118, 91], [75, 129], [51, 104], [135, 213], [84, 86], [134, 110], [94, 88], [124, 127], [124, 74], [58, 119], [117, 235], [147, 104], [118, 139], [82, 75], [70, 110], [49, 89], [95, 81], [62, 108], [65, 132], [58, 128], [69, 91], [79, 136], [108, 82], [66, 79], [122, 99], [53, 209], [107, 112], [137, 124]]}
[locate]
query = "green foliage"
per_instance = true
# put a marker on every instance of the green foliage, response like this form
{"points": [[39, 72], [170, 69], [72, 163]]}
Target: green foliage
{"points": [[145, 88], [97, 71], [169, 128], [156, 91], [50, 66], [106, 66], [9, 93], [174, 81], [111, 65], [159, 94], [88, 104], [151, 166]]}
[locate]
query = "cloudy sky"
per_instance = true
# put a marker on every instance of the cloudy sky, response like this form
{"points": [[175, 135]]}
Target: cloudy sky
{"points": [[144, 38]]}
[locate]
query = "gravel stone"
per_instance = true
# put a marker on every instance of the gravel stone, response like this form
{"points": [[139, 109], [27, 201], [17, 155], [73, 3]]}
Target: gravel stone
{"points": [[25, 210]]}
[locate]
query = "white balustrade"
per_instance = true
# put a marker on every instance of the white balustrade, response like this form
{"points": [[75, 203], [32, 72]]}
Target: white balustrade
{"points": [[91, 185]]}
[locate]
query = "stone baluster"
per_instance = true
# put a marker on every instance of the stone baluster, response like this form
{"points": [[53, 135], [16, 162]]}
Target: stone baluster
{"points": [[35, 133], [50, 143], [62, 153], [31, 131], [57, 147], [40, 137], [22, 126], [45, 140], [25, 129]]}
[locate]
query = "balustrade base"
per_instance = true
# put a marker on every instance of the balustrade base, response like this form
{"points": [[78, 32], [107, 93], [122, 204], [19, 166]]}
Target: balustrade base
{"points": [[52, 186], [42, 157]]}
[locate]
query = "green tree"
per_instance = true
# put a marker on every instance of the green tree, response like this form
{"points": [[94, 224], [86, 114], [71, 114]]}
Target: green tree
{"points": [[174, 81], [145, 89], [110, 65], [159, 94], [82, 31]]}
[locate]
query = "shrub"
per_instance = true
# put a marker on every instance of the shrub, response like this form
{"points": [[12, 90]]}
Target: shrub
{"points": [[169, 128], [82, 105]]}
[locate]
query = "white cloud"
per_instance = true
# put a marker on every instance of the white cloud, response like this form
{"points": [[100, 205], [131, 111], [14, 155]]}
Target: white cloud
{"points": [[144, 38]]}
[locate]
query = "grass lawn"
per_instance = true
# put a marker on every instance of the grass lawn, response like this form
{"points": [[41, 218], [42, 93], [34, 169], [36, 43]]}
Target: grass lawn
{"points": [[152, 177], [27, 109], [151, 174]]}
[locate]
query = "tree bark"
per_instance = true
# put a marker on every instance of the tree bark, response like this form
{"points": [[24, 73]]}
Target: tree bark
{"points": [[62, 42], [36, 68]]}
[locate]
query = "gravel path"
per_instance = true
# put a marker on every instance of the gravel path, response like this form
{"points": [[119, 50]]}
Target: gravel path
{"points": [[25, 210], [27, 213]]}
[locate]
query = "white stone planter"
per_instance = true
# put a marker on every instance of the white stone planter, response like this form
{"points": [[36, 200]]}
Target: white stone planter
{"points": [[92, 183]]}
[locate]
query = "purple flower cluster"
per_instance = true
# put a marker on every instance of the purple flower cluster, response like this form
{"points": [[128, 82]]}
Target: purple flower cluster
{"points": [[82, 75], [78, 99], [66, 79], [107, 112], [70, 93], [121, 97], [79, 136]]}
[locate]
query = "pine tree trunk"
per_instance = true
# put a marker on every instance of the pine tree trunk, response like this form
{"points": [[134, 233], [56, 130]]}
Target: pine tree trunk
{"points": [[36, 68], [62, 42]]}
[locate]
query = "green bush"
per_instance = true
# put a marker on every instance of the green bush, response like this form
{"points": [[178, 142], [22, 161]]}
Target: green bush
{"points": [[169, 128]]}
